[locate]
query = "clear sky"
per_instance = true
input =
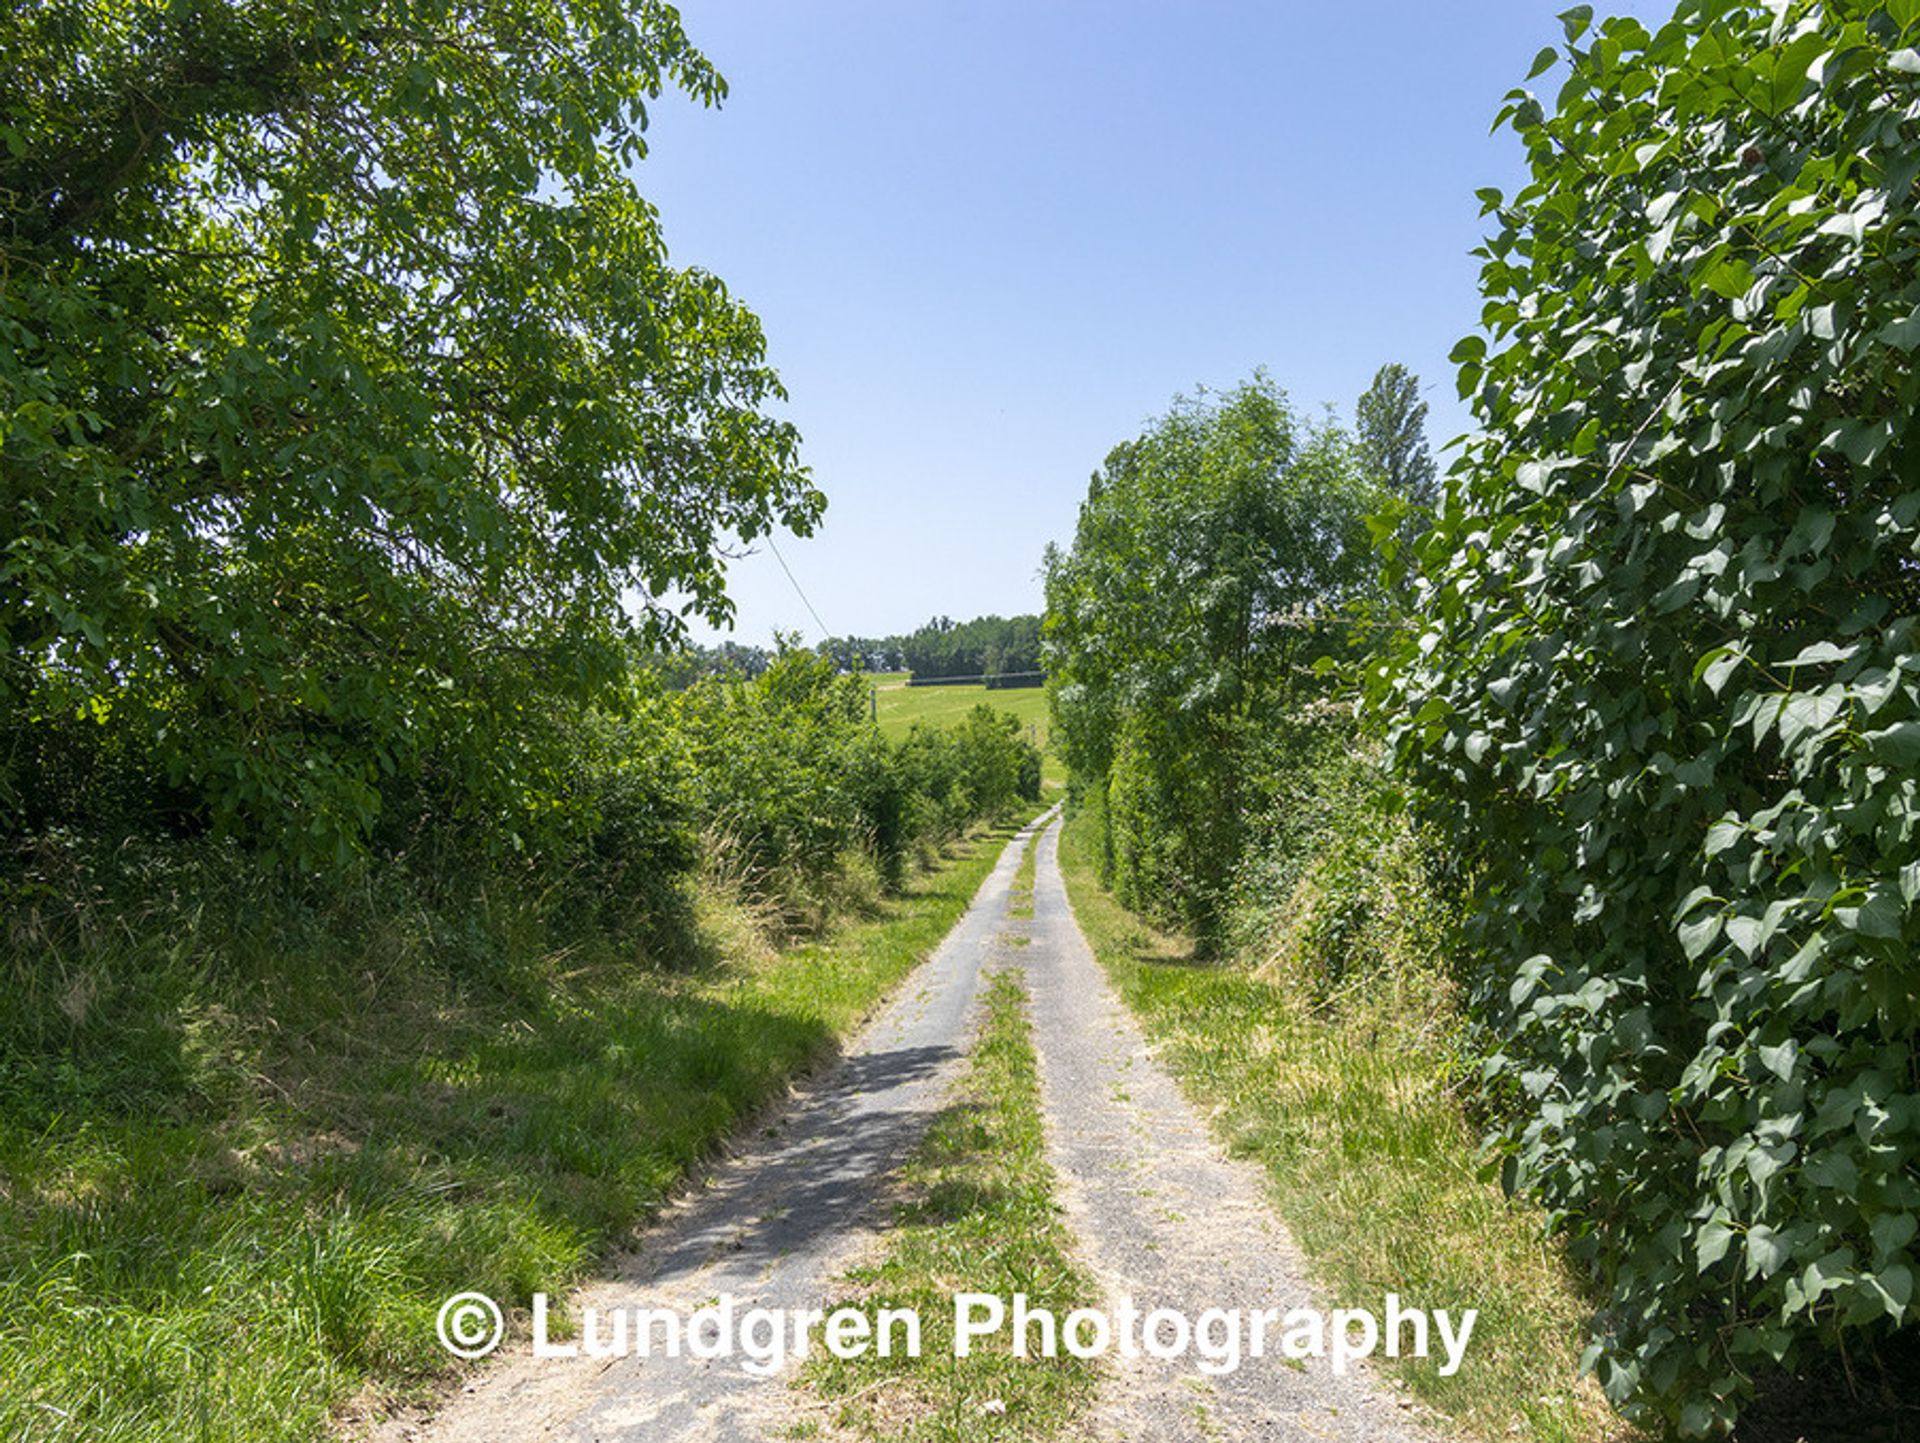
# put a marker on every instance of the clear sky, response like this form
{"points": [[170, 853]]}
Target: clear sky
{"points": [[991, 238]]}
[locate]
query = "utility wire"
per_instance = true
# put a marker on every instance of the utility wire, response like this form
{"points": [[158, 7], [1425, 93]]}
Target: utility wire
{"points": [[824, 633]]}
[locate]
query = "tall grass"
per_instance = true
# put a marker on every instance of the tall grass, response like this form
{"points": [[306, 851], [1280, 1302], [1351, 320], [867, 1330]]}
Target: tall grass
{"points": [[1342, 1095], [251, 1138]]}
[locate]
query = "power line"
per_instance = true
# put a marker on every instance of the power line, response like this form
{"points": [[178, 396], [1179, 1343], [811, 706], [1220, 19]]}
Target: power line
{"points": [[824, 633]]}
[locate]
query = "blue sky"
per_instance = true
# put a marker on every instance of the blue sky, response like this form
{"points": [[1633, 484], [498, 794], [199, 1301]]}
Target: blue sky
{"points": [[989, 240]]}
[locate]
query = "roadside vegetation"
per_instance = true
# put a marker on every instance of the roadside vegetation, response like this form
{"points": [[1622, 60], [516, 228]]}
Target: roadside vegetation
{"points": [[393, 901], [392, 904], [1660, 701], [251, 1138], [977, 1213], [1571, 800], [1353, 1112]]}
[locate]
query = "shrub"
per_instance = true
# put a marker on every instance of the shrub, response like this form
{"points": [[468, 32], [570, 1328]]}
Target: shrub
{"points": [[639, 837], [1340, 895], [790, 777], [998, 766], [1665, 697], [777, 764]]}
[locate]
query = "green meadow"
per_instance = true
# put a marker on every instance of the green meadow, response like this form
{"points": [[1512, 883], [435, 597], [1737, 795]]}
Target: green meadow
{"points": [[898, 706]]}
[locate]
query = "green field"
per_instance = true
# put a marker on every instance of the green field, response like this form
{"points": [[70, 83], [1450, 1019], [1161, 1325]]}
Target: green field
{"points": [[900, 706]]}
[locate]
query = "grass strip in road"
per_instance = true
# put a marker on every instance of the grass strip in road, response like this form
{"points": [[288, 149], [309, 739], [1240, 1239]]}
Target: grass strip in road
{"points": [[1373, 1168], [268, 1178], [1020, 897], [978, 1215]]}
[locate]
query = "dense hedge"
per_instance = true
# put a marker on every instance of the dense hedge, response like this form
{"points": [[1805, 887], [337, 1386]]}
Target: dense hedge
{"points": [[790, 773], [1664, 698], [779, 781], [1339, 895], [1180, 619]]}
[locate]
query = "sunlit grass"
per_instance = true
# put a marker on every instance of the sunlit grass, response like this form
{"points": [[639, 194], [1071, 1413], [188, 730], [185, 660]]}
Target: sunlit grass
{"points": [[1020, 894], [1372, 1162], [977, 1214], [236, 1187]]}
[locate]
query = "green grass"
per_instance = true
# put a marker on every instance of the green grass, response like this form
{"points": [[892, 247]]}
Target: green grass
{"points": [[1372, 1163], [234, 1194], [1020, 894], [900, 706], [978, 1215]]}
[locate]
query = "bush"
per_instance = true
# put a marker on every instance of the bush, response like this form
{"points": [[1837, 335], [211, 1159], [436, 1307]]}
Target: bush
{"points": [[780, 782], [1341, 896], [1665, 700], [1177, 622], [776, 762], [790, 777], [639, 839]]}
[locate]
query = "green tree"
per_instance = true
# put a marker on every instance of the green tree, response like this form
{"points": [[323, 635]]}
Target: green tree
{"points": [[986, 646], [1206, 551], [1664, 691], [346, 395], [1390, 426]]}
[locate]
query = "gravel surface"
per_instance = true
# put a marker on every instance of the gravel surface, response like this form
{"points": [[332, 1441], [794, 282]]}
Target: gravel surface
{"points": [[1159, 1214], [774, 1226], [1164, 1218]]}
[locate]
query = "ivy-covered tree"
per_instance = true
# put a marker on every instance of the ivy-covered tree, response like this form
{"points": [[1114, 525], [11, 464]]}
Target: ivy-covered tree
{"points": [[1665, 686], [347, 399]]}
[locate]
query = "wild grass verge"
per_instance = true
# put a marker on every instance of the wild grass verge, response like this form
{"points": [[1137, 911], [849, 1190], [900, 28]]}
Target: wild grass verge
{"points": [[1372, 1162], [239, 1177], [978, 1215]]}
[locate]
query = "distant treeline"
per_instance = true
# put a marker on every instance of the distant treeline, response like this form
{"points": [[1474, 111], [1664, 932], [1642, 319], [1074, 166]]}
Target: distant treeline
{"points": [[682, 667], [989, 646], [1003, 649]]}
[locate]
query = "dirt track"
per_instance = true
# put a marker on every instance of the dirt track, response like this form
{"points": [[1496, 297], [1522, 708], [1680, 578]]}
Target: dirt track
{"points": [[1163, 1218], [1159, 1213]]}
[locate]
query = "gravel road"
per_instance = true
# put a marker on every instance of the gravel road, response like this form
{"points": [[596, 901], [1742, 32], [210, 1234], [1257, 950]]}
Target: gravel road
{"points": [[1161, 1216], [1164, 1218]]}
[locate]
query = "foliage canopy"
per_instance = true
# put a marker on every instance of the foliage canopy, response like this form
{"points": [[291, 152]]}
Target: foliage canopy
{"points": [[346, 393], [1204, 550], [1665, 690]]}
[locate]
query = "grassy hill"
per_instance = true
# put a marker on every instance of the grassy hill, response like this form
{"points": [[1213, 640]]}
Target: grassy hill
{"points": [[900, 706]]}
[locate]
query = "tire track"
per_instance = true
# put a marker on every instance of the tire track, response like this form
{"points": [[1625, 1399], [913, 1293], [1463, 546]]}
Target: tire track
{"points": [[1165, 1218], [773, 1227]]}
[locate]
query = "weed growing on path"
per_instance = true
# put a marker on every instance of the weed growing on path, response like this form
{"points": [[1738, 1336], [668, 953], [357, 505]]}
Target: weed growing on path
{"points": [[978, 1215]]}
